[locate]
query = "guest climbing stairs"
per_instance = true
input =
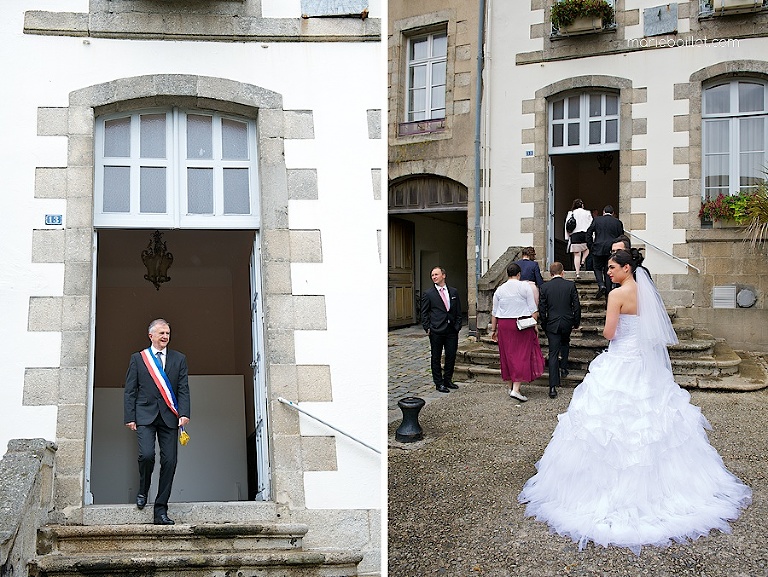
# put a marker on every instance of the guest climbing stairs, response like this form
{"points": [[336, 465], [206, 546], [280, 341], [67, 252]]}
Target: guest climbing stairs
{"points": [[699, 360]]}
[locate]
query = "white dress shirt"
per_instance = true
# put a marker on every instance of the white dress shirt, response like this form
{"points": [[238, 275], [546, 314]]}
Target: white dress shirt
{"points": [[161, 357]]}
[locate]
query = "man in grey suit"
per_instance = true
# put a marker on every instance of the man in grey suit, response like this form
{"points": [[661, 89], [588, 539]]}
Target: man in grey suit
{"points": [[156, 404], [559, 313]]}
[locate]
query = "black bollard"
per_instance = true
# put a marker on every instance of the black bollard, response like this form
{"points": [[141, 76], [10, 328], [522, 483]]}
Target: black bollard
{"points": [[410, 430]]}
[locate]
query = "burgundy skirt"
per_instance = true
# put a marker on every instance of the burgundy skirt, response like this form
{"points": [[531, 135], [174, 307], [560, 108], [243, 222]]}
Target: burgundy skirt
{"points": [[521, 358]]}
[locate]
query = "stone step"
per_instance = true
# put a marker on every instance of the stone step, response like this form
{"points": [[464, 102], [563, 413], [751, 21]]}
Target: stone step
{"points": [[193, 513], [593, 322], [315, 563], [696, 360], [586, 345], [209, 537], [688, 372], [752, 375], [713, 365], [185, 550]]}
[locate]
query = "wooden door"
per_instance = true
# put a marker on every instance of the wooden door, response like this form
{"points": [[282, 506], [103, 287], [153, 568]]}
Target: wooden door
{"points": [[402, 304]]}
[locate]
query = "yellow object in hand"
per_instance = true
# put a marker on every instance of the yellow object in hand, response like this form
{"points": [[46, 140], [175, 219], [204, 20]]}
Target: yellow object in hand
{"points": [[183, 437]]}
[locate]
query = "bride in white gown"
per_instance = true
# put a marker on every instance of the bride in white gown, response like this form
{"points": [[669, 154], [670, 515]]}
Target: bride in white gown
{"points": [[629, 463]]}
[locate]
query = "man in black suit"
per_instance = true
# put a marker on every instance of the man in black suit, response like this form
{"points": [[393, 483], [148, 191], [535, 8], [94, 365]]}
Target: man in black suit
{"points": [[600, 235], [156, 404], [624, 242], [441, 319], [559, 313]]}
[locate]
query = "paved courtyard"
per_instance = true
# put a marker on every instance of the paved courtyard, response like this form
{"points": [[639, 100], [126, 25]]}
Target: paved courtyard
{"points": [[452, 497], [409, 373]]}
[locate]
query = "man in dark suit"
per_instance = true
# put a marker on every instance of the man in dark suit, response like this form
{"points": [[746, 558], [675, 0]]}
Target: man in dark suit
{"points": [[156, 405], [624, 242], [559, 313], [600, 235], [441, 319]]}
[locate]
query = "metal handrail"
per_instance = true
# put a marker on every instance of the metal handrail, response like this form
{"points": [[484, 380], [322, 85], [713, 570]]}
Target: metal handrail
{"points": [[662, 250], [295, 406]]}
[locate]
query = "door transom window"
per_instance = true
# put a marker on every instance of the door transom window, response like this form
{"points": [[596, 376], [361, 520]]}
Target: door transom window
{"points": [[585, 122], [173, 168]]}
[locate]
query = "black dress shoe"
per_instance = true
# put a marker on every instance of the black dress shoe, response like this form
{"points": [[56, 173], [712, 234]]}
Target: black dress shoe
{"points": [[451, 385], [164, 519], [601, 292], [443, 389], [141, 500], [563, 373], [552, 393]]}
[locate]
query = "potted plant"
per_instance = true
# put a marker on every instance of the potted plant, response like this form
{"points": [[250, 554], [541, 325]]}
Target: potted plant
{"points": [[748, 209], [572, 16], [718, 209]]}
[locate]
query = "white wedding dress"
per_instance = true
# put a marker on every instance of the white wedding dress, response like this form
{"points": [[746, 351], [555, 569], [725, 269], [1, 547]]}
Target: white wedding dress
{"points": [[629, 463]]}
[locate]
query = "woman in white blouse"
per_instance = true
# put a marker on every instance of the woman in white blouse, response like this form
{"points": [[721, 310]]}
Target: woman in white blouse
{"points": [[578, 236], [519, 350]]}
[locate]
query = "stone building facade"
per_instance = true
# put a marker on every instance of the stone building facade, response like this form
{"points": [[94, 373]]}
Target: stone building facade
{"points": [[616, 114], [431, 151], [263, 64]]}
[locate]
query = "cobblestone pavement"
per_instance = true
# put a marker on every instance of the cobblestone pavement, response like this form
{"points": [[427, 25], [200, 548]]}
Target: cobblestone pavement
{"points": [[409, 373]]}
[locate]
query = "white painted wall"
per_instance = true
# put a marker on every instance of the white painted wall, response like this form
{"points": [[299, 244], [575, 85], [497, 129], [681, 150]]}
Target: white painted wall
{"points": [[339, 82], [657, 70]]}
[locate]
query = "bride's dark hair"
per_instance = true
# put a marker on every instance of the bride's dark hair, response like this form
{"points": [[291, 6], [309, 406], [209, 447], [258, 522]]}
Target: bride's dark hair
{"points": [[633, 257]]}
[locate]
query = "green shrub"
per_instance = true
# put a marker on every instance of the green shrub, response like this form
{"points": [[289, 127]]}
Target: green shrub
{"points": [[754, 214], [566, 11], [720, 208], [748, 208]]}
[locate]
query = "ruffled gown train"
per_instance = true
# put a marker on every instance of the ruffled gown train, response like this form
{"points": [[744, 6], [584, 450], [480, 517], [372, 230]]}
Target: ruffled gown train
{"points": [[629, 463]]}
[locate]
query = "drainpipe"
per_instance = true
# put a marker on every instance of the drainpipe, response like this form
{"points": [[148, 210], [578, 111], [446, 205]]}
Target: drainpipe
{"points": [[478, 127]]}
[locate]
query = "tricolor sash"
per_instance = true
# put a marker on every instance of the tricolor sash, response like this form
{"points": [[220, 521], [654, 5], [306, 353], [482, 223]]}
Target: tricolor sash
{"points": [[155, 368]]}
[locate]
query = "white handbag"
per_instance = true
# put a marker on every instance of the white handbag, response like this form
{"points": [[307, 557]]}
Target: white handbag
{"points": [[524, 323]]}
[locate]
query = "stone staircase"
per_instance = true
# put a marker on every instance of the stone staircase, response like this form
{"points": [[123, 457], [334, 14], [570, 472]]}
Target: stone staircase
{"points": [[698, 360], [210, 549]]}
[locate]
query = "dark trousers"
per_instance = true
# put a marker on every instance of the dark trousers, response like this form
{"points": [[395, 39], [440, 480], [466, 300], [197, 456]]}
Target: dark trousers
{"points": [[167, 438], [559, 348], [600, 264], [449, 342]]}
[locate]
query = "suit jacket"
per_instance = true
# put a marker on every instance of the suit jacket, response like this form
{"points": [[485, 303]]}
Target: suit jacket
{"points": [[601, 233], [559, 306], [142, 399], [529, 270], [435, 318]]}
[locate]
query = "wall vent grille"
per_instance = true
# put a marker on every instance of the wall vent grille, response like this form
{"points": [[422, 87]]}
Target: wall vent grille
{"points": [[724, 297]]}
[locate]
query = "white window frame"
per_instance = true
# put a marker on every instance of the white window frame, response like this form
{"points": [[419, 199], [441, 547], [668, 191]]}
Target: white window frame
{"points": [[583, 121], [176, 163], [733, 117], [428, 62]]}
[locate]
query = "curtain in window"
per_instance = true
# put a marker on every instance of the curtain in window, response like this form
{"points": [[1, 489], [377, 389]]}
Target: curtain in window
{"points": [[735, 137]]}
